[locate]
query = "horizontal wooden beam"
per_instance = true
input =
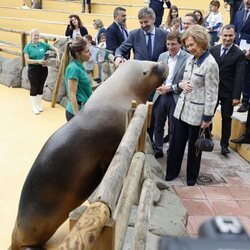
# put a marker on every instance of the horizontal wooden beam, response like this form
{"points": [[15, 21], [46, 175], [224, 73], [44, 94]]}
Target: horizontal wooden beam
{"points": [[111, 185], [11, 52]]}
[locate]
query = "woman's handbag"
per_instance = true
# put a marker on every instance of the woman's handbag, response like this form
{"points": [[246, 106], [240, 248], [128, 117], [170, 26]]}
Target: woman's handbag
{"points": [[203, 143]]}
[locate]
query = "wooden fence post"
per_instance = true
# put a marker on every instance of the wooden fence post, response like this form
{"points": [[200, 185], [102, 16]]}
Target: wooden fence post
{"points": [[88, 228], [141, 225], [23, 43], [130, 113], [128, 197], [63, 64]]}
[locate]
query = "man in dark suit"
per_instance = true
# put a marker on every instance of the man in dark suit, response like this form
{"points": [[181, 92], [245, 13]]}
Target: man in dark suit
{"points": [[158, 7], [116, 33], [234, 7], [242, 28], [138, 39], [231, 62], [147, 42]]}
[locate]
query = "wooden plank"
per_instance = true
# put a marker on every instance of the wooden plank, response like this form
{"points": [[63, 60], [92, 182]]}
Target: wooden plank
{"points": [[112, 182], [149, 114], [106, 241], [23, 43], [63, 64], [11, 52], [141, 226], [141, 145], [50, 37], [128, 197], [130, 113]]}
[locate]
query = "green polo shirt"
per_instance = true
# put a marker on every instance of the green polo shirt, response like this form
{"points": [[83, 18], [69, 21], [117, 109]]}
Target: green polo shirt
{"points": [[36, 51], [75, 70]]}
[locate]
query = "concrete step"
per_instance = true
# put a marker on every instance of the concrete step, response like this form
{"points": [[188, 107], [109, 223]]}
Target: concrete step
{"points": [[60, 16], [100, 7], [237, 129]]}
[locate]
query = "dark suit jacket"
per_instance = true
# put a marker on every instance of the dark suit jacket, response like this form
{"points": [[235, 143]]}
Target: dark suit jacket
{"points": [[136, 41], [158, 8], [69, 31], [231, 71], [242, 31], [114, 38]]}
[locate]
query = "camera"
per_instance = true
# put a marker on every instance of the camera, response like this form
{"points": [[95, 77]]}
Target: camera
{"points": [[218, 233]]}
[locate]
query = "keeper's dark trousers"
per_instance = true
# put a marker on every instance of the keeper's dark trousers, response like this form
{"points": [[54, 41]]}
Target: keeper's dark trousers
{"points": [[184, 132], [37, 75]]}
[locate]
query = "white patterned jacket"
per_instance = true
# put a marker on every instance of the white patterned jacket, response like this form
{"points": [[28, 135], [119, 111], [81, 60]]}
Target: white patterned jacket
{"points": [[199, 104]]}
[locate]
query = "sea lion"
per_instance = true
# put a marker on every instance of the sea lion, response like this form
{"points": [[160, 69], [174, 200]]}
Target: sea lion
{"points": [[73, 161]]}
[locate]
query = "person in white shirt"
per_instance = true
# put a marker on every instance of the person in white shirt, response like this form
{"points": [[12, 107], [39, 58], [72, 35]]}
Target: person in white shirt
{"points": [[214, 22], [166, 95]]}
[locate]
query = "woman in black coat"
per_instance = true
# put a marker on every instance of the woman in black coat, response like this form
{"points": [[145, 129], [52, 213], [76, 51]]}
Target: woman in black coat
{"points": [[75, 27]]}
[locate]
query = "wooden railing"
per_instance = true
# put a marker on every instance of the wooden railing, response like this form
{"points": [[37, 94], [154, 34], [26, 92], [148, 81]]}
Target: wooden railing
{"points": [[103, 223], [24, 38]]}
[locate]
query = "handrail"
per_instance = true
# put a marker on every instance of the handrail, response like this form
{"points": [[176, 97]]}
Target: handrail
{"points": [[111, 184], [49, 37]]}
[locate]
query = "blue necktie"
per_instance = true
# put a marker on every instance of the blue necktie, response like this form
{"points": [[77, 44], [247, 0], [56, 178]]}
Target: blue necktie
{"points": [[149, 45]]}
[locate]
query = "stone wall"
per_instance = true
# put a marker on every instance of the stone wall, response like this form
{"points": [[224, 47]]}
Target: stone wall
{"points": [[10, 71]]}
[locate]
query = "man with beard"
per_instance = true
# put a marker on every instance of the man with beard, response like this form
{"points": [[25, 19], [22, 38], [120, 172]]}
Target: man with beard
{"points": [[116, 33], [147, 42]]}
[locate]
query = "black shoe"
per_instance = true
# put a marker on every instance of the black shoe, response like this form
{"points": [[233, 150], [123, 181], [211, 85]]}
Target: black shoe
{"points": [[243, 108], [166, 139], [159, 154], [242, 139], [224, 150], [170, 178], [191, 183]]}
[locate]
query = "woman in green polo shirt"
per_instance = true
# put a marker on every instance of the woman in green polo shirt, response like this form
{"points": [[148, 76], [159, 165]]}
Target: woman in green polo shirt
{"points": [[78, 84], [34, 53]]}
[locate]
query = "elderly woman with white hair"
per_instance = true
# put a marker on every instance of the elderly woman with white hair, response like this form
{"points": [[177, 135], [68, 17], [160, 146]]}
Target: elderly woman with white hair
{"points": [[34, 53], [195, 107]]}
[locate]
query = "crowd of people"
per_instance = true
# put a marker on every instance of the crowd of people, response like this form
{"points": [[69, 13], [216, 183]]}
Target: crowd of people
{"points": [[203, 72]]}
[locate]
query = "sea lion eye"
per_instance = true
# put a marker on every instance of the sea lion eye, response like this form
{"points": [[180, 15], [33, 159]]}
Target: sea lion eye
{"points": [[144, 72], [155, 69]]}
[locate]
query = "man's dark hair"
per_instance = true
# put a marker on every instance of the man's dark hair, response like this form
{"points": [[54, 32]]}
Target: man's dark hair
{"points": [[172, 35], [117, 10], [193, 16], [228, 27]]}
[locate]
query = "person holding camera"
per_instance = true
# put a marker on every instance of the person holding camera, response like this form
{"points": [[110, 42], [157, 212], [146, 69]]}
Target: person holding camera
{"points": [[75, 28], [34, 53], [77, 81], [195, 106]]}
